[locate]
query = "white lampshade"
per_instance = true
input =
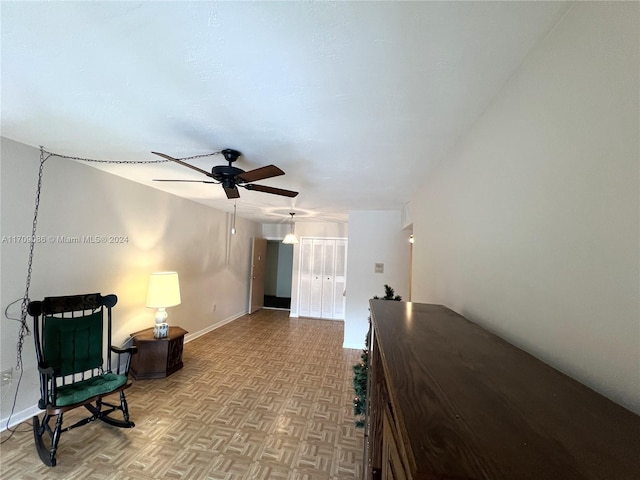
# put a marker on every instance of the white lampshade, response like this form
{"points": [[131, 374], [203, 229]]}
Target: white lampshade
{"points": [[164, 290]]}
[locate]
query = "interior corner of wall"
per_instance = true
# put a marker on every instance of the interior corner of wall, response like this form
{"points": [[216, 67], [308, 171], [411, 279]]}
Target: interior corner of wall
{"points": [[407, 217]]}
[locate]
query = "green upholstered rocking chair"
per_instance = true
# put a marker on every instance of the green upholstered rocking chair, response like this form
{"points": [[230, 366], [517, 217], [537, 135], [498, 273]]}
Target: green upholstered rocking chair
{"points": [[69, 336]]}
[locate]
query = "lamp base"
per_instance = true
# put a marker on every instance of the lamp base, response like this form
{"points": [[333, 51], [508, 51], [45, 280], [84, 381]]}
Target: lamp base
{"points": [[161, 330]]}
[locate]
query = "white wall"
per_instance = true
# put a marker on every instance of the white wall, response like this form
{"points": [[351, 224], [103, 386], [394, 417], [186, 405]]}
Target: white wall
{"points": [[530, 226], [163, 232], [275, 231], [374, 237]]}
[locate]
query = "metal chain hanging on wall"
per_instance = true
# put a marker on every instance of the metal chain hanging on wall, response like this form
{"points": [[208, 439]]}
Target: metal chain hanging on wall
{"points": [[44, 156], [24, 328]]}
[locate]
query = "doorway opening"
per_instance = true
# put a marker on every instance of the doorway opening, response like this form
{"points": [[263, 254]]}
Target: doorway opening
{"points": [[278, 274]]}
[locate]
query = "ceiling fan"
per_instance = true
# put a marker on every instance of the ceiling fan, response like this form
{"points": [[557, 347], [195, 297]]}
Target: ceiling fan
{"points": [[231, 177]]}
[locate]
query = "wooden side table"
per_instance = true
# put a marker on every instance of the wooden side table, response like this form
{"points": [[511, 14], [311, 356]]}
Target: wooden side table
{"points": [[157, 357]]}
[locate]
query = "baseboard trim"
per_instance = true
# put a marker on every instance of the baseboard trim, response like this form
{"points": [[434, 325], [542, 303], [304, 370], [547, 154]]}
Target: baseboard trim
{"points": [[26, 414], [192, 336], [19, 417]]}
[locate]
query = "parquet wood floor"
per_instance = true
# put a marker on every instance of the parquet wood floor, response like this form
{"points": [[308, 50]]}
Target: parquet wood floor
{"points": [[266, 397]]}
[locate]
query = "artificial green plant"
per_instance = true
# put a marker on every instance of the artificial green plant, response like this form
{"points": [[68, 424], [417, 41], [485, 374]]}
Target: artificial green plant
{"points": [[361, 369]]}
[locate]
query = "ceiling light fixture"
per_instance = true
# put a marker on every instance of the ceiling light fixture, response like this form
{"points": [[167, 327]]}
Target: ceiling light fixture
{"points": [[291, 238]]}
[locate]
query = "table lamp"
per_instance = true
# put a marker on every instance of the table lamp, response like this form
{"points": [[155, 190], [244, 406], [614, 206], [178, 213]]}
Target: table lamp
{"points": [[164, 291]]}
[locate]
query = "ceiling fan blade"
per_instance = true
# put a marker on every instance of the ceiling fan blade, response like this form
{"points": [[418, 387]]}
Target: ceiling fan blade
{"points": [[195, 181], [232, 192], [208, 174], [275, 191], [260, 173]]}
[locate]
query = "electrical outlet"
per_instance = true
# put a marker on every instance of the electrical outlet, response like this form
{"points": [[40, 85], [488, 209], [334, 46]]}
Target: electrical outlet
{"points": [[6, 376]]}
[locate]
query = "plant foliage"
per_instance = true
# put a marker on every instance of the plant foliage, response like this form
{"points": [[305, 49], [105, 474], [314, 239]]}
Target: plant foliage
{"points": [[389, 294], [361, 370]]}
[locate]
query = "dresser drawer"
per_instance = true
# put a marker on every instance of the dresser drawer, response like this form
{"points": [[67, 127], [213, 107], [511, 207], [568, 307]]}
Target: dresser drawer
{"points": [[394, 466]]}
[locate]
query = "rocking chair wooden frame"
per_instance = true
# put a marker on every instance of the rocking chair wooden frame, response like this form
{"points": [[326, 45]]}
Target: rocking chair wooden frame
{"points": [[69, 334]]}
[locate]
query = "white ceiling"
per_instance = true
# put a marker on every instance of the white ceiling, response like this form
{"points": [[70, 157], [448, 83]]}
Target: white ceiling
{"points": [[355, 101]]}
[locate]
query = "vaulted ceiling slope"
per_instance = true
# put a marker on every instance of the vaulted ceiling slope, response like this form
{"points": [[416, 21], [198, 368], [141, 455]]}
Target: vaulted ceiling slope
{"points": [[355, 101]]}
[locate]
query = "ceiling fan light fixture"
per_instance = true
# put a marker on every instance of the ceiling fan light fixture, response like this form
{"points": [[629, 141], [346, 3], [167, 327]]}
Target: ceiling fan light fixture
{"points": [[290, 238]]}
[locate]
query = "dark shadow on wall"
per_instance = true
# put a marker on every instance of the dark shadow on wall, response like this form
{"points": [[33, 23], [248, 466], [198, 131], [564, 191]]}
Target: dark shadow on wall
{"points": [[278, 274]]}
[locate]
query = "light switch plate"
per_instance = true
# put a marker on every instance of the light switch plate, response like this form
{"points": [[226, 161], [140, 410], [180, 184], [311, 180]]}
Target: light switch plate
{"points": [[379, 268]]}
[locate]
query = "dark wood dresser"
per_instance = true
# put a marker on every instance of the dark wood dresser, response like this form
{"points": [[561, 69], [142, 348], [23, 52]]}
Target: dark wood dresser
{"points": [[450, 400]]}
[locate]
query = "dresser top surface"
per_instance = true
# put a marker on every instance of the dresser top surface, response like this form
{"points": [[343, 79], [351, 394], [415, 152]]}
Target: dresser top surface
{"points": [[468, 404]]}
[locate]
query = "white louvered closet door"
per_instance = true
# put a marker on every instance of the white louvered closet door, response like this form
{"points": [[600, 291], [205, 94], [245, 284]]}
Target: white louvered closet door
{"points": [[322, 278], [328, 275], [317, 251], [304, 292]]}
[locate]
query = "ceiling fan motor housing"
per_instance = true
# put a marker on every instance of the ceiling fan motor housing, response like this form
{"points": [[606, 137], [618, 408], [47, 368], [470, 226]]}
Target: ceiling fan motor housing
{"points": [[227, 175]]}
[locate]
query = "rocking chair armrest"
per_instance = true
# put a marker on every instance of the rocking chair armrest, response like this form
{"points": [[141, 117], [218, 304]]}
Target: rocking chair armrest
{"points": [[45, 370], [122, 368], [129, 350]]}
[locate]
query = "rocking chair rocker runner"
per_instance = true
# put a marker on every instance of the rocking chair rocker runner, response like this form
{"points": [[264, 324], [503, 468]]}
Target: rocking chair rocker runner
{"points": [[68, 334]]}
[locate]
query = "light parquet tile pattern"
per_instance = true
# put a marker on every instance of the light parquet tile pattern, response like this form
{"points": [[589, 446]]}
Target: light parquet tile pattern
{"points": [[266, 397]]}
